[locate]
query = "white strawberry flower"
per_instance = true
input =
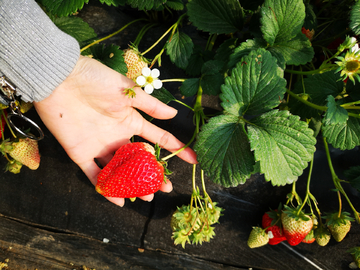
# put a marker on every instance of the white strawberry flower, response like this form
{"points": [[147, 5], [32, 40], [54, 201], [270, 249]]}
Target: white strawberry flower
{"points": [[149, 80], [355, 48]]}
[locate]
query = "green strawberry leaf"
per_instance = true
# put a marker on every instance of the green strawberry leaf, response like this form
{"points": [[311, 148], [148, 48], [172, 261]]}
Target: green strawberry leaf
{"points": [[283, 144], [244, 49], [353, 176], [113, 2], [145, 4], [212, 78], [76, 28], [226, 49], [163, 95], [179, 48], [344, 136], [355, 18], [281, 20], [110, 56], [175, 4], [318, 87], [255, 86], [310, 17], [190, 87], [197, 60], [224, 152], [63, 7], [216, 17], [335, 114], [297, 51]]}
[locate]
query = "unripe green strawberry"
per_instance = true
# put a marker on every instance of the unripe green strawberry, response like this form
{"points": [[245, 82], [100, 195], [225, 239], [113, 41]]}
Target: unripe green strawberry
{"points": [[134, 62], [134, 171], [257, 238], [296, 225], [339, 225], [322, 235], [25, 151]]}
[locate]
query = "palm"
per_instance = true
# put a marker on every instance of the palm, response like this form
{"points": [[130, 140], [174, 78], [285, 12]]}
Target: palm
{"points": [[91, 117]]}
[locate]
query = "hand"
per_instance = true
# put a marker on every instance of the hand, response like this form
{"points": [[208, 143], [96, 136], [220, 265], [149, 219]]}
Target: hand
{"points": [[91, 117]]}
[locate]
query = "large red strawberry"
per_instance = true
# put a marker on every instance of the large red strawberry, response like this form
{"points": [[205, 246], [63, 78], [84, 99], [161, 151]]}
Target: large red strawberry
{"points": [[271, 221], [296, 225], [134, 171]]}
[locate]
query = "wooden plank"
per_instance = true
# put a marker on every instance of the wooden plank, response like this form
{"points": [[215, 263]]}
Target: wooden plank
{"points": [[26, 247]]}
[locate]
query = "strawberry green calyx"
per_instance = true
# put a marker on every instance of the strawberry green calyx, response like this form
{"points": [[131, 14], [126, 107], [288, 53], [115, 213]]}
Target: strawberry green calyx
{"points": [[130, 92], [193, 224], [355, 252], [257, 238], [13, 166], [339, 225], [162, 162]]}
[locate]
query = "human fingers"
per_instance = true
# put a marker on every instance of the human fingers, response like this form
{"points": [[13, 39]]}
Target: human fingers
{"points": [[152, 106], [166, 140], [147, 198], [166, 186], [118, 201]]}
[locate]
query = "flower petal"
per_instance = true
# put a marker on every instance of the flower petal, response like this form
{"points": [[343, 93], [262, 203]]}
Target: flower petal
{"points": [[146, 71], [148, 89], [157, 84], [141, 80], [155, 73]]}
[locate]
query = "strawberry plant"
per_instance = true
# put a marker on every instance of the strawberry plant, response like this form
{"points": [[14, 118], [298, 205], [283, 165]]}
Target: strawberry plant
{"points": [[286, 77]]}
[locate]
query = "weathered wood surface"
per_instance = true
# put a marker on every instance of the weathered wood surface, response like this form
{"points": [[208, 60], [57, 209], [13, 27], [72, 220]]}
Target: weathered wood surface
{"points": [[25, 246], [53, 217]]}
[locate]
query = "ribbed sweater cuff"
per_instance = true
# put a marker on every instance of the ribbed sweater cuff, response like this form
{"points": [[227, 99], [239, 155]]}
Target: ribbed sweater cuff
{"points": [[34, 54]]}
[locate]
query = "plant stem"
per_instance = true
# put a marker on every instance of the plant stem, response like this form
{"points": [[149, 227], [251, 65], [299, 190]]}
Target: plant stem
{"points": [[173, 27], [142, 33], [111, 35], [307, 186], [311, 72], [337, 181], [312, 105], [173, 80], [8, 124]]}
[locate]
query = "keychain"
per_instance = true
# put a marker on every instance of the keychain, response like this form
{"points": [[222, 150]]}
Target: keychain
{"points": [[7, 98]]}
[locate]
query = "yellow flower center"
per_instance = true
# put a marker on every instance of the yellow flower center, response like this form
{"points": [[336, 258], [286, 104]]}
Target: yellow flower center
{"points": [[149, 80], [352, 66]]}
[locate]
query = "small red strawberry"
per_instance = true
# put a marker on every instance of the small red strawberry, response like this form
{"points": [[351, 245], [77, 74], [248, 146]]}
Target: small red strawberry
{"points": [[308, 33], [24, 150], [2, 122], [271, 221], [134, 171], [296, 225], [309, 238]]}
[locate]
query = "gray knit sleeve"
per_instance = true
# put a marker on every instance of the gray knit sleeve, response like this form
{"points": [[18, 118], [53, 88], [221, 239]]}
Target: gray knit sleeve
{"points": [[34, 54]]}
